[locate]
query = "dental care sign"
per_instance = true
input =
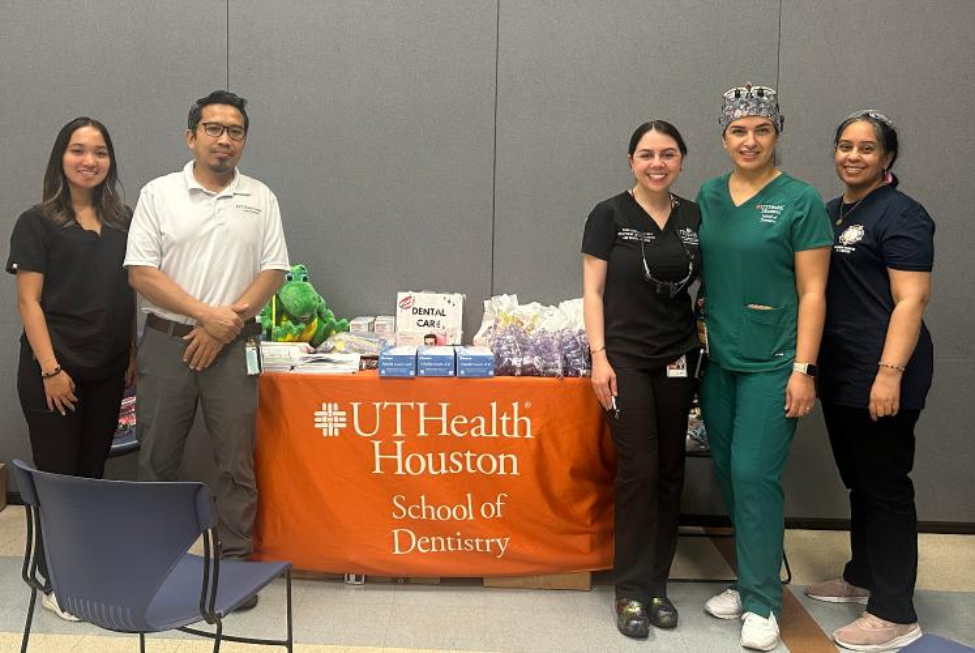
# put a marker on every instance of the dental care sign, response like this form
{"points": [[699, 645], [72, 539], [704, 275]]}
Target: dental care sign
{"points": [[420, 315], [433, 477]]}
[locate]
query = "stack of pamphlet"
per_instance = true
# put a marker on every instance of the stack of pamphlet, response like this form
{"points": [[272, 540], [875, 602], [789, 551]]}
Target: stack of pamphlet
{"points": [[282, 356], [331, 363]]}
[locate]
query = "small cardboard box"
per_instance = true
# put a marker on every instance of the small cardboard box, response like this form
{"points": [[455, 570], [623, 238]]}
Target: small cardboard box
{"points": [[362, 324], [398, 361], [435, 361], [385, 328]]}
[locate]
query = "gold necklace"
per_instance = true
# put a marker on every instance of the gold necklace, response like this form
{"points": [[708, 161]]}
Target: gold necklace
{"points": [[843, 216]]}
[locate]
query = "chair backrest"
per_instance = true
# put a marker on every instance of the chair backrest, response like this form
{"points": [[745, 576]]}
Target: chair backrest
{"points": [[110, 544]]}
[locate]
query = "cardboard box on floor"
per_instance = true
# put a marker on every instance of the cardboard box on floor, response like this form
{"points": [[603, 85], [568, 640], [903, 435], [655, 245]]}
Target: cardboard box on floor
{"points": [[575, 581]]}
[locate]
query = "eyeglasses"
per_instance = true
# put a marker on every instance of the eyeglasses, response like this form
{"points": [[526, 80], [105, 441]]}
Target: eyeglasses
{"points": [[215, 130], [672, 288]]}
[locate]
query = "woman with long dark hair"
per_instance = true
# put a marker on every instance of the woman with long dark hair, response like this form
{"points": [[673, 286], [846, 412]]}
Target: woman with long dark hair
{"points": [[877, 363], [640, 254], [78, 312], [765, 239]]}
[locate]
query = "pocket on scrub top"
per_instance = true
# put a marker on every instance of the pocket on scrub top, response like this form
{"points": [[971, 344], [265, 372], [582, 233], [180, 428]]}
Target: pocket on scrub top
{"points": [[766, 332]]}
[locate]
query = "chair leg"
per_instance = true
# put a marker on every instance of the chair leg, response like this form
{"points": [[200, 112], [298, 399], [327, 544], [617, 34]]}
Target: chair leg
{"points": [[219, 636], [290, 645], [30, 619], [142, 643]]}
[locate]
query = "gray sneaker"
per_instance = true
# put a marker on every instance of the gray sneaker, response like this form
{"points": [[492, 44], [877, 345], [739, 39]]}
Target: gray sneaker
{"points": [[726, 605], [838, 590]]}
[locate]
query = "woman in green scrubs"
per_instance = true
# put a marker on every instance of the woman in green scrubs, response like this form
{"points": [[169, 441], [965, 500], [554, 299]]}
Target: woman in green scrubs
{"points": [[765, 239]]}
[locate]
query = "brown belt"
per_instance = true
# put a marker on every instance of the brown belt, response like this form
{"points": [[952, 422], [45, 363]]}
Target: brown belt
{"points": [[251, 328]]}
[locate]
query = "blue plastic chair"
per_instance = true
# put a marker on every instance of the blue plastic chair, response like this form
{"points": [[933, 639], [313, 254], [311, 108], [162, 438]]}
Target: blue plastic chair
{"points": [[117, 556]]}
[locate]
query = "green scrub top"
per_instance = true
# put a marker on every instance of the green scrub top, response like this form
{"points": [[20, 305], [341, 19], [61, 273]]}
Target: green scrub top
{"points": [[751, 307]]}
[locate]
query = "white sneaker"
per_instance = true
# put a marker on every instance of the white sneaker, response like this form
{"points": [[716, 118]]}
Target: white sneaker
{"points": [[758, 632], [726, 605], [51, 603]]}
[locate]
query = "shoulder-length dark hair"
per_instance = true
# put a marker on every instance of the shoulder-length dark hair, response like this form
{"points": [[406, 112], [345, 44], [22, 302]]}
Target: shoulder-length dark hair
{"points": [[106, 196]]}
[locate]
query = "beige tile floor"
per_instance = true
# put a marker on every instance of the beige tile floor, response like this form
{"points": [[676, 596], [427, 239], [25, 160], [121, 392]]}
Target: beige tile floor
{"points": [[947, 564]]}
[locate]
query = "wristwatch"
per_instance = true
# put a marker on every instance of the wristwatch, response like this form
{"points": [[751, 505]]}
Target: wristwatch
{"points": [[809, 369]]}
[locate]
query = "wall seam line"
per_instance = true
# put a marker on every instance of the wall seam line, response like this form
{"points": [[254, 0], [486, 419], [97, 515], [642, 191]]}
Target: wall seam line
{"points": [[228, 44], [494, 163]]}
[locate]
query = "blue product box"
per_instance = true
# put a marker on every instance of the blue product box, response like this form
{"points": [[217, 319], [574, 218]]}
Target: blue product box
{"points": [[475, 362], [398, 361], [435, 361]]}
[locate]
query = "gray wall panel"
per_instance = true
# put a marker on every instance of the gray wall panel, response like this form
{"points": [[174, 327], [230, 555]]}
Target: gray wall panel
{"points": [[374, 122], [136, 67], [374, 125], [575, 78], [910, 61]]}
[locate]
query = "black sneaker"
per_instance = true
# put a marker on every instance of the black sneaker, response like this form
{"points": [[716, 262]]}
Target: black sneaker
{"points": [[631, 618], [663, 614]]}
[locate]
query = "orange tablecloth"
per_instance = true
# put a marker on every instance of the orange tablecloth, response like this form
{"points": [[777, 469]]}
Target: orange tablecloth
{"points": [[433, 477]]}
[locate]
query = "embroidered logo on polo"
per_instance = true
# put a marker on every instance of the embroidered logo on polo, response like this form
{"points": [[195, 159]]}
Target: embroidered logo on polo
{"points": [[770, 212], [850, 236], [248, 209], [635, 235]]}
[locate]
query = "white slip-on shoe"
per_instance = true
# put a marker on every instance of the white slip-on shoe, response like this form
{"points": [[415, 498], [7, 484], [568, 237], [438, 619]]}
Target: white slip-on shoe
{"points": [[50, 602], [758, 632], [726, 605]]}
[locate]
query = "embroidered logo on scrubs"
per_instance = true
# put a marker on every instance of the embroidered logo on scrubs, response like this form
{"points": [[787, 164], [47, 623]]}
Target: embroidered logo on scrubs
{"points": [[634, 235], [248, 209], [770, 212], [688, 236]]}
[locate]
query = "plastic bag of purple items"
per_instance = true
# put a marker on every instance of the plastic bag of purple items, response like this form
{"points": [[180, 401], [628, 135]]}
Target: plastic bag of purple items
{"points": [[575, 353], [537, 340], [509, 342]]}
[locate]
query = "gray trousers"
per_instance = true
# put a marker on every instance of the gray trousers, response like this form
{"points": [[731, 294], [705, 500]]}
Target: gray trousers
{"points": [[168, 394]]}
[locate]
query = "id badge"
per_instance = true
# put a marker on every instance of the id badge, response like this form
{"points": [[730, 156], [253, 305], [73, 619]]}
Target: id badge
{"points": [[252, 353], [677, 369]]}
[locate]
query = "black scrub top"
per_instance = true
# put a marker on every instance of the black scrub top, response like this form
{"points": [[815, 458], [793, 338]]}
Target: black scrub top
{"points": [[644, 326], [86, 299]]}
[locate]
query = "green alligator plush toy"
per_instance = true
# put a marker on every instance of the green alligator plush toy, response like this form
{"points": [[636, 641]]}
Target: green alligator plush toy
{"points": [[297, 313]]}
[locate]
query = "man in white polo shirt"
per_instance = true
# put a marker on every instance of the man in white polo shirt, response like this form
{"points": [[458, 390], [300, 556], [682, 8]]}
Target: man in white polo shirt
{"points": [[206, 251]]}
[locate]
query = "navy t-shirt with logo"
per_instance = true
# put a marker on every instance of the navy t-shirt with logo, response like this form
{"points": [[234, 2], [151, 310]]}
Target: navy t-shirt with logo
{"points": [[887, 230]]}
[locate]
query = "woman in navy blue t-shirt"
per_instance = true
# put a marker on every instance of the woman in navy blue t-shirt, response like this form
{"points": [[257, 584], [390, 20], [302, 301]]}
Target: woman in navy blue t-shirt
{"points": [[876, 363]]}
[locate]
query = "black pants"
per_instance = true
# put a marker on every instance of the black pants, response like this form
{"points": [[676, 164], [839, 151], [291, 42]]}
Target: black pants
{"points": [[875, 460], [77, 443], [649, 435]]}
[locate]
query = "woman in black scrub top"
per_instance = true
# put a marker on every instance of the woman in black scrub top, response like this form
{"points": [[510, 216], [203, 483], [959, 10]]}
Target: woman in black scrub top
{"points": [[877, 363], [640, 254], [77, 309]]}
